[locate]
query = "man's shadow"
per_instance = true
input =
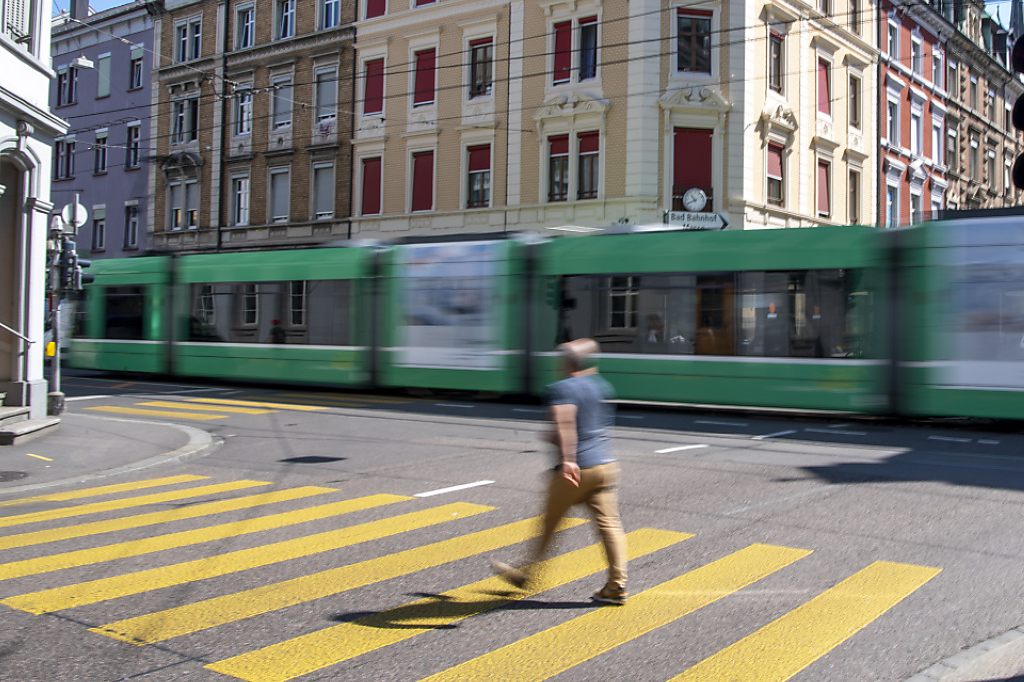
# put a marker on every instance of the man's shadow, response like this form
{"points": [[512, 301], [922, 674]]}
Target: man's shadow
{"points": [[439, 607]]}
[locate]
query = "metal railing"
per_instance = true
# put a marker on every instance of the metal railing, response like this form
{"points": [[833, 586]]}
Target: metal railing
{"points": [[16, 333]]}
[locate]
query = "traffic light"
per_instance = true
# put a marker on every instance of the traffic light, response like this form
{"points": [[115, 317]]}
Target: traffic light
{"points": [[67, 264], [80, 279], [1017, 62]]}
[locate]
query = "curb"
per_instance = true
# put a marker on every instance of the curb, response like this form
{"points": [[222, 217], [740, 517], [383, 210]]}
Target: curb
{"points": [[200, 443], [985, 660]]}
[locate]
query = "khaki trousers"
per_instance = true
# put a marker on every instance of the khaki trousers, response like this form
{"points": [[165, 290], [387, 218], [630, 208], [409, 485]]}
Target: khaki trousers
{"points": [[599, 490]]}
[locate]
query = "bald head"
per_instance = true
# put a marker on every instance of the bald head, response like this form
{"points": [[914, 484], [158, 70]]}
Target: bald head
{"points": [[579, 355]]}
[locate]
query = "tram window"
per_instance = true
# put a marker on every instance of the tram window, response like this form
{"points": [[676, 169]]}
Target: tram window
{"points": [[125, 310], [297, 312]]}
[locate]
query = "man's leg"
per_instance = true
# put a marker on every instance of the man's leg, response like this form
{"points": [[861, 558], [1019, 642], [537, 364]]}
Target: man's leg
{"points": [[604, 505]]}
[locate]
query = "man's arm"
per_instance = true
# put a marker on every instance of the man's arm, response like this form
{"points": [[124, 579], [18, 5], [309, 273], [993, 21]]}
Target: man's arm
{"points": [[564, 417]]}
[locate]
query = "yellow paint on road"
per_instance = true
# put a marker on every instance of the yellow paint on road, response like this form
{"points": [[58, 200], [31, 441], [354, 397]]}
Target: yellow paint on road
{"points": [[787, 645], [105, 490], [347, 397], [126, 503], [191, 511], [185, 538], [253, 403], [45, 459], [317, 650], [189, 618], [177, 405], [104, 589], [145, 412]]}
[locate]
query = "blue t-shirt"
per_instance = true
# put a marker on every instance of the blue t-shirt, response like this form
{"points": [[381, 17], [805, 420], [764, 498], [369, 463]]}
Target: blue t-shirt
{"points": [[594, 415]]}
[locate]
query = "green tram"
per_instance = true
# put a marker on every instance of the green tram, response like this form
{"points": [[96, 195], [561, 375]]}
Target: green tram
{"points": [[773, 318]]}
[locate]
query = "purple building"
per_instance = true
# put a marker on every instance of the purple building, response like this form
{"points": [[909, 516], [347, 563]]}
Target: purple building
{"points": [[107, 100]]}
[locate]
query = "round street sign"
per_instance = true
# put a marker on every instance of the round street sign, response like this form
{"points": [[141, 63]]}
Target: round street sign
{"points": [[74, 215]]}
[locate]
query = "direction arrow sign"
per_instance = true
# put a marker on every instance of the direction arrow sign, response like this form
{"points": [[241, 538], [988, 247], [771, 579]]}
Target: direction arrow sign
{"points": [[695, 221]]}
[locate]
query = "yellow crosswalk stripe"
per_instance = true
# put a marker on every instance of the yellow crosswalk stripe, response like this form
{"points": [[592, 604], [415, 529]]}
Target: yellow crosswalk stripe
{"points": [[254, 403], [557, 649], [99, 491], [189, 618], [317, 650], [146, 412], [191, 511], [787, 645], [177, 405], [126, 503], [104, 589], [346, 397], [185, 538]]}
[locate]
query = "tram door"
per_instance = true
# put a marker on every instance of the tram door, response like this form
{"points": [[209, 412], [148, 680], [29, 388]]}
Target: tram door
{"points": [[715, 333]]}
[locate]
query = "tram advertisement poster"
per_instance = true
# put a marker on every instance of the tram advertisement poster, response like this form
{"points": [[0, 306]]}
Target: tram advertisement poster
{"points": [[449, 305]]}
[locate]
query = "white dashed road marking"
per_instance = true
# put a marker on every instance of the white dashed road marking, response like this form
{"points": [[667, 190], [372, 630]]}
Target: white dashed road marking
{"points": [[774, 435], [712, 422], [950, 439], [452, 489], [680, 448], [837, 432]]}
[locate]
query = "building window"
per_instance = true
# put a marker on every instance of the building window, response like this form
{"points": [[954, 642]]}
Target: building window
{"points": [[280, 194], [297, 303], [589, 162], [183, 205], [951, 149], [133, 157], [936, 143], [588, 48], [243, 112], [323, 191], [558, 168], [376, 8], [371, 186], [937, 68], [562, 58], [974, 92], [373, 87], [186, 120], [855, 105], [973, 157], [892, 206], [917, 56], [285, 19], [623, 295], [135, 72], [424, 78], [99, 234], [854, 198], [481, 64], [824, 189], [478, 191], [282, 102], [693, 38], [131, 226], [990, 105], [775, 70], [1007, 176], [18, 23], [330, 14], [103, 76], [326, 94], [892, 122], [195, 38], [915, 134], [189, 41], [825, 6], [421, 3], [423, 181], [776, 175], [192, 205], [855, 18], [245, 27], [990, 168], [250, 304], [67, 86], [893, 44], [824, 87], [240, 201], [64, 166], [915, 208], [99, 151], [952, 81]]}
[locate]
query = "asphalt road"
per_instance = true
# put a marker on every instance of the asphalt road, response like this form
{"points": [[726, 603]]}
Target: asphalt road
{"points": [[323, 538]]}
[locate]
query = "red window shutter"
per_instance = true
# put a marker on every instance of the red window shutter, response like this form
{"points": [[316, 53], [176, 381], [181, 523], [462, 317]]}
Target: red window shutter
{"points": [[694, 12], [423, 181], [420, 3], [824, 200], [558, 145], [481, 41], [563, 52], [589, 142], [373, 87], [824, 96], [371, 186], [587, 20], [775, 161], [375, 8], [692, 159], [480, 158], [424, 77]]}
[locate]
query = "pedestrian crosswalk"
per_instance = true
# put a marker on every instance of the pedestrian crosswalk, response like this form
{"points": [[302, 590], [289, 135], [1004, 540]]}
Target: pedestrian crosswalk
{"points": [[116, 533], [215, 409]]}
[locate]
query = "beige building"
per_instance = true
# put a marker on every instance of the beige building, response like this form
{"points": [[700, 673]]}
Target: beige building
{"points": [[483, 116]]}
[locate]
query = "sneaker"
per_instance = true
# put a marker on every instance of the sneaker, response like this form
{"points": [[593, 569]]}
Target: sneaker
{"points": [[610, 595], [513, 576]]}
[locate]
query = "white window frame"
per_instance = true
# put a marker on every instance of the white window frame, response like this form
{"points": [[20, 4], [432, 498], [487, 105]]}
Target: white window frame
{"points": [[916, 211], [411, 176], [133, 145], [332, 73], [250, 294], [938, 67], [136, 77], [468, 41], [892, 132], [243, 110], [131, 224], [322, 19], [284, 11], [240, 199], [188, 39], [413, 49], [818, 160], [855, 76], [857, 219], [895, 211], [781, 36], [191, 215], [245, 28], [674, 72], [916, 137], [917, 56], [278, 83], [99, 234], [371, 56], [829, 59], [467, 175], [271, 215], [892, 41], [176, 210], [103, 64], [776, 142], [100, 150], [319, 166], [303, 295]]}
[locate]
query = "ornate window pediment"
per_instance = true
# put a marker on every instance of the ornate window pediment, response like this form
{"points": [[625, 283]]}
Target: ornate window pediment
{"points": [[696, 98], [780, 119], [571, 106]]}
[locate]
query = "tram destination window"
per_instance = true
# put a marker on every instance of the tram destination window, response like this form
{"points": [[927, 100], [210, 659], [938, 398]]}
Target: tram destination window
{"points": [[125, 313], [791, 314], [296, 312]]}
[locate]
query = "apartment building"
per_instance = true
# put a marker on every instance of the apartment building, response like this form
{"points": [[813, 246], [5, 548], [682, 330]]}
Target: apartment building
{"points": [[254, 125], [105, 157], [27, 131]]}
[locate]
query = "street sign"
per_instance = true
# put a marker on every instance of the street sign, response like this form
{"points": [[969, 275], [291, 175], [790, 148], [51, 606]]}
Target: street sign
{"points": [[687, 220], [74, 216]]}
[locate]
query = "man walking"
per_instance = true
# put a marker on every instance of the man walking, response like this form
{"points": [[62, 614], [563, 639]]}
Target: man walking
{"points": [[587, 472]]}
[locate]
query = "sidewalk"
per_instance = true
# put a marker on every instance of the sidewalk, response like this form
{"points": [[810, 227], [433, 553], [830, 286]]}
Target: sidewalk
{"points": [[87, 447]]}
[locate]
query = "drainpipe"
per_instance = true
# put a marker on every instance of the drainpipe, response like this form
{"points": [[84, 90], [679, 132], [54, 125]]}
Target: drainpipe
{"points": [[508, 112], [225, 108]]}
